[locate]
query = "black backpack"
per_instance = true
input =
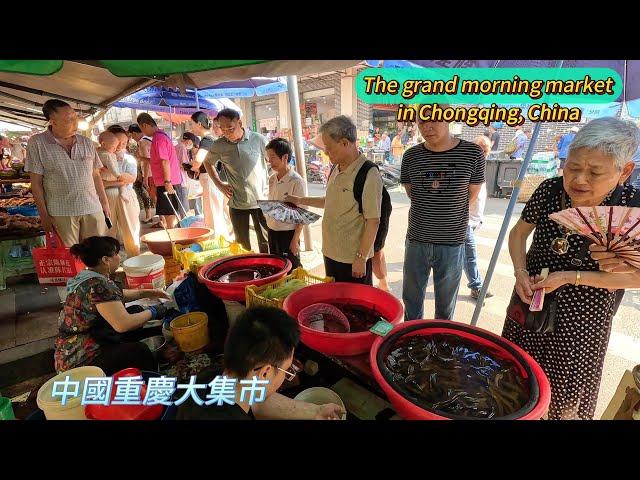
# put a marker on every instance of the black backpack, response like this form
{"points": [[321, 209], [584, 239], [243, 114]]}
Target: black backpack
{"points": [[385, 207]]}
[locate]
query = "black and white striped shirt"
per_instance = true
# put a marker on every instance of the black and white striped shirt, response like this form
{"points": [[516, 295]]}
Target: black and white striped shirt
{"points": [[440, 191]]}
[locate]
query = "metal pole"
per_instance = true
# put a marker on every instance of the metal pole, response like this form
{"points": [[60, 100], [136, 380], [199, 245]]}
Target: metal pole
{"points": [[195, 90], [296, 125], [171, 122], [505, 224], [507, 219]]}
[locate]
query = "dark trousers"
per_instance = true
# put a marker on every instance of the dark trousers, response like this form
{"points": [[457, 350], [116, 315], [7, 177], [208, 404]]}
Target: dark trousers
{"points": [[113, 358], [143, 196], [240, 222], [342, 272], [279, 243]]}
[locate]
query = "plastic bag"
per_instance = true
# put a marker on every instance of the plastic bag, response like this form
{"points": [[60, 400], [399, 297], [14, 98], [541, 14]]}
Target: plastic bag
{"points": [[54, 263]]}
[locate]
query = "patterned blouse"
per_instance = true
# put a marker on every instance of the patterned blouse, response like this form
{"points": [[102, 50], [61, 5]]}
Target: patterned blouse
{"points": [[75, 346]]}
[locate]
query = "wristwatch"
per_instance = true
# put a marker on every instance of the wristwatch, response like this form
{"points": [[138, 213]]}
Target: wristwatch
{"points": [[359, 255], [167, 182]]}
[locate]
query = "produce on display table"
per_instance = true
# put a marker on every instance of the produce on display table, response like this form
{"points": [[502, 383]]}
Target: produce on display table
{"points": [[16, 202], [16, 225]]}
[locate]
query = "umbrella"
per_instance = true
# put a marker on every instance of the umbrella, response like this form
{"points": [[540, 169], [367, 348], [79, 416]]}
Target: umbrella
{"points": [[169, 100], [254, 87], [287, 213], [166, 97]]}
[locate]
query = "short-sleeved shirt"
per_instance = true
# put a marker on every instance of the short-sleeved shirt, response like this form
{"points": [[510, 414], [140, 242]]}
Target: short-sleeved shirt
{"points": [[182, 153], [110, 162], [69, 189], [162, 147], [75, 345], [127, 164], [495, 138], [440, 182], [291, 184], [564, 144], [342, 222], [205, 144], [245, 165], [521, 143], [144, 147]]}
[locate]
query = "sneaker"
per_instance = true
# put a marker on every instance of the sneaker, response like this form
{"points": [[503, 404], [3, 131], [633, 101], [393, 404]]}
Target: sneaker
{"points": [[475, 293]]}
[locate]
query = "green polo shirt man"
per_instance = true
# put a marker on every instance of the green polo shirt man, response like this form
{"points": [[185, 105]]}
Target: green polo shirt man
{"points": [[243, 156]]}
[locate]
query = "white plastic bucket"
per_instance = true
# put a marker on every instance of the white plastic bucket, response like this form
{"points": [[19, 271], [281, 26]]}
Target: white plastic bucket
{"points": [[72, 410], [145, 271], [321, 396]]}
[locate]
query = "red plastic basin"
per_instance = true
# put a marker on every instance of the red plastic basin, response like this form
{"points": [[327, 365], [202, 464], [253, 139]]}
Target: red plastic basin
{"points": [[342, 344], [158, 242], [234, 291], [126, 412], [529, 369]]}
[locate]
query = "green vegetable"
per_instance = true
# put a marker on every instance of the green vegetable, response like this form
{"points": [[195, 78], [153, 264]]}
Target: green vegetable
{"points": [[284, 290]]}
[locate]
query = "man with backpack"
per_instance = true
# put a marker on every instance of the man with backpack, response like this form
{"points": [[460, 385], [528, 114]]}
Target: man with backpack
{"points": [[356, 206]]}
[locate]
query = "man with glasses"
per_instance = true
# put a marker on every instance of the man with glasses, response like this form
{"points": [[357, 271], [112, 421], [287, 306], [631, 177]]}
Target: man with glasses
{"points": [[441, 176], [242, 154], [260, 344]]}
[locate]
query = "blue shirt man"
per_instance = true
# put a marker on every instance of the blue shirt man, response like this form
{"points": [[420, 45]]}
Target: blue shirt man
{"points": [[521, 143], [565, 142]]}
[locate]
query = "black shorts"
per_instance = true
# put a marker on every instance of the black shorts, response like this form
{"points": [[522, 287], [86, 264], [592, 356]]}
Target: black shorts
{"points": [[163, 207]]}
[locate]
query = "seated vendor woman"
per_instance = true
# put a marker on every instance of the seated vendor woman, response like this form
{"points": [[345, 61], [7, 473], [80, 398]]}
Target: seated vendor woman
{"points": [[260, 344], [94, 326]]}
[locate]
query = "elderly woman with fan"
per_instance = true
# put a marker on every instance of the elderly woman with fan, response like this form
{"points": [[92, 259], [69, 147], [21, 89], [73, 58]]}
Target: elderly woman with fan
{"points": [[569, 335]]}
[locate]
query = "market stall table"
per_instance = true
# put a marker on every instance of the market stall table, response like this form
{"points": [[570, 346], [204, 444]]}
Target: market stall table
{"points": [[356, 368], [11, 266]]}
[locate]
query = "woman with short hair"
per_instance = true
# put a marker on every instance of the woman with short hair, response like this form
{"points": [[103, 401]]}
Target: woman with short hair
{"points": [[571, 346]]}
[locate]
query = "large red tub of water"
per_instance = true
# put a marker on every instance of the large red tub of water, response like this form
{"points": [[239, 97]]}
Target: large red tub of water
{"points": [[228, 277], [539, 391], [342, 344]]}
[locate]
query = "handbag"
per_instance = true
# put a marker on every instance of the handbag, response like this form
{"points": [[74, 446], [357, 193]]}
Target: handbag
{"points": [[541, 322], [54, 263]]}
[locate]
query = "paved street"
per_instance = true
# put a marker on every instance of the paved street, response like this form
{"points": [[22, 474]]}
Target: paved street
{"points": [[624, 346]]}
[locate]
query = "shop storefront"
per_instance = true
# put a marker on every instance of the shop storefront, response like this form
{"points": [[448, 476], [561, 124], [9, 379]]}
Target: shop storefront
{"points": [[265, 116], [316, 107], [384, 119]]}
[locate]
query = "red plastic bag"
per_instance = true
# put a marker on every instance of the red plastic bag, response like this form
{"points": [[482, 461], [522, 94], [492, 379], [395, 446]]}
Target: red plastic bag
{"points": [[54, 263]]}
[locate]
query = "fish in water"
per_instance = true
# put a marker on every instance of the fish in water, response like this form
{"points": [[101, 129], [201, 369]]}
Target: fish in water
{"points": [[451, 375]]}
